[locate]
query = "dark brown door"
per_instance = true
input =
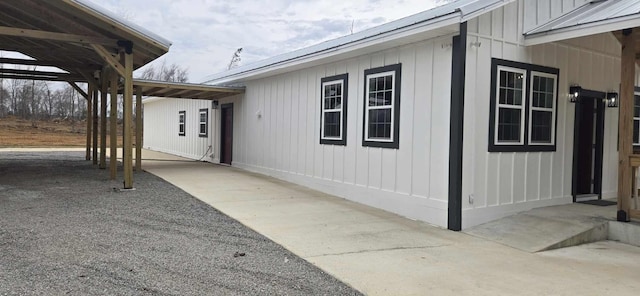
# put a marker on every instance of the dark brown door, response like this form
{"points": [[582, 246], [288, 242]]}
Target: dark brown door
{"points": [[585, 146], [226, 145], [588, 145]]}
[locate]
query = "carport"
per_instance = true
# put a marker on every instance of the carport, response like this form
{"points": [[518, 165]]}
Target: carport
{"points": [[91, 45]]}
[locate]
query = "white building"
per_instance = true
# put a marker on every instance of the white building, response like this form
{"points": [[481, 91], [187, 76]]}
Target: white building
{"points": [[454, 116]]}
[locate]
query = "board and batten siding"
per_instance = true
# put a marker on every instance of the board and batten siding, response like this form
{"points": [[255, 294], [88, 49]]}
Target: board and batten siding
{"points": [[161, 127], [279, 134], [498, 184]]}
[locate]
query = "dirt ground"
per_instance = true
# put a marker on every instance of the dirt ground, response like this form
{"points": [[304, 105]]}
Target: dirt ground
{"points": [[16, 132], [65, 230]]}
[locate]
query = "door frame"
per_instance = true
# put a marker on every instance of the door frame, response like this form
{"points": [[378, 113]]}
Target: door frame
{"points": [[600, 107], [223, 126]]}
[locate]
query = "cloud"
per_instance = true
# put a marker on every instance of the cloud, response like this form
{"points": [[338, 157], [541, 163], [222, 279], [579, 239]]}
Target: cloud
{"points": [[205, 33]]}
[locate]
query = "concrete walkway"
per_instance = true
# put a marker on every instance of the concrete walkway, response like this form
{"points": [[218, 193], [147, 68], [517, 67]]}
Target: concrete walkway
{"points": [[380, 253]]}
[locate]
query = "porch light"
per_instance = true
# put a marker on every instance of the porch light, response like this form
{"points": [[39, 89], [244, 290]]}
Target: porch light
{"points": [[214, 104], [612, 99], [574, 93]]}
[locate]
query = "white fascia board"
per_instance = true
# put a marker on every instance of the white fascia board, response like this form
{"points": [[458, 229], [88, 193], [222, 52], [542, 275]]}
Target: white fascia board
{"points": [[440, 23], [605, 26]]}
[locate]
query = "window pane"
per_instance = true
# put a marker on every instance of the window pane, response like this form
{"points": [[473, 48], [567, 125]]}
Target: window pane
{"points": [[182, 128], [541, 122], [509, 125], [203, 128], [203, 117], [380, 123], [636, 109], [181, 118], [332, 124], [510, 88], [543, 92]]}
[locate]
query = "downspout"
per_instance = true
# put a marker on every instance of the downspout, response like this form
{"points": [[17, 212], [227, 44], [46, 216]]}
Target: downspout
{"points": [[458, 77]]}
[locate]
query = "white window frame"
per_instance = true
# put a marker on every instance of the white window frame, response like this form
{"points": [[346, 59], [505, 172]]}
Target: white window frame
{"points": [[205, 122], [552, 109], [340, 111], [507, 106], [391, 107], [182, 118]]}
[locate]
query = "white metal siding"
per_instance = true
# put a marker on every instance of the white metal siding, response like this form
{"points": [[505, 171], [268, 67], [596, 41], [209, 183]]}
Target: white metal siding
{"points": [[411, 181], [539, 12], [505, 183], [161, 127]]}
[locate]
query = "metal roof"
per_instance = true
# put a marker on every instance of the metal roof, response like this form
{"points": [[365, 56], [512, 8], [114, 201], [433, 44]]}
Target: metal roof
{"points": [[451, 13], [61, 33], [592, 18]]}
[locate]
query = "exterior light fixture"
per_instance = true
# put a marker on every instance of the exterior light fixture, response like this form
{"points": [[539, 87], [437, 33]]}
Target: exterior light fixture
{"points": [[612, 99], [214, 104], [574, 93]]}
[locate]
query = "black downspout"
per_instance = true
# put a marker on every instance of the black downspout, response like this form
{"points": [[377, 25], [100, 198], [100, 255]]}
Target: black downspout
{"points": [[458, 63]]}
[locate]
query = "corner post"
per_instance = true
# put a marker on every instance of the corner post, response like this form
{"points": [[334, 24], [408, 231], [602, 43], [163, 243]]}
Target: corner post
{"points": [[89, 120], [625, 124], [94, 95], [127, 149]]}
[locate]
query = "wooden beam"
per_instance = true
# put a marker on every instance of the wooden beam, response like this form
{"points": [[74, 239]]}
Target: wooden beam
{"points": [[79, 90], [42, 78], [95, 122], [89, 119], [33, 72], [127, 149], [111, 60], [625, 123], [47, 63], [55, 36], [138, 129], [113, 121], [104, 89]]}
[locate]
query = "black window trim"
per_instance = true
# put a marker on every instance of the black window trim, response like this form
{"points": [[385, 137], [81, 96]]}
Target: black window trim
{"points": [[206, 123], [182, 114], [395, 143], [344, 78], [525, 146]]}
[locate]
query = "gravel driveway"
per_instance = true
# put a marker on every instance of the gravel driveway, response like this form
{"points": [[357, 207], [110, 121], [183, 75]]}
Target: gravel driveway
{"points": [[64, 229]]}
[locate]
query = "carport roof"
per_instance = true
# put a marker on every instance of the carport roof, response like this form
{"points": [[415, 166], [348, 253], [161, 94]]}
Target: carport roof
{"points": [[66, 33], [153, 88]]}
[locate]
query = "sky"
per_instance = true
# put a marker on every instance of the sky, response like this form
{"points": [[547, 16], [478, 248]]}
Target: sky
{"points": [[206, 33]]}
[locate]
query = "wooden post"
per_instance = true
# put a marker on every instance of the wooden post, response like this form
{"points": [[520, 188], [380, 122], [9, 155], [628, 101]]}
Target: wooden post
{"points": [[138, 129], [103, 119], [113, 130], [127, 149], [89, 119], [625, 123], [94, 95]]}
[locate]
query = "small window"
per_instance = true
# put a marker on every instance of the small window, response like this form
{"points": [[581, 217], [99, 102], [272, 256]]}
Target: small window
{"points": [[382, 107], [203, 123], [333, 117], [181, 120], [523, 107]]}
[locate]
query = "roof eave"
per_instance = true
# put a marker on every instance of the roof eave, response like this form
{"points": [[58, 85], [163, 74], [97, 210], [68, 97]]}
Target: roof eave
{"points": [[582, 30]]}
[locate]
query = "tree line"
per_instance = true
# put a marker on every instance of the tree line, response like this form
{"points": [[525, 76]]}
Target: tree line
{"points": [[38, 100]]}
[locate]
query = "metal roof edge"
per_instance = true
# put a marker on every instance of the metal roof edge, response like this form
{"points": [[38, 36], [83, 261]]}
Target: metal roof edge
{"points": [[134, 28]]}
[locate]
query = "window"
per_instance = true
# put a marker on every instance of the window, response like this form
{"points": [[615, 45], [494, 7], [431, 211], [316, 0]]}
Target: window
{"points": [[203, 123], [181, 120], [382, 107], [333, 126], [636, 121], [523, 107]]}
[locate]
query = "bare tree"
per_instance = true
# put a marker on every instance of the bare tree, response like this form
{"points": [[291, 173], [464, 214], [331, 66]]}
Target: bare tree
{"points": [[164, 72]]}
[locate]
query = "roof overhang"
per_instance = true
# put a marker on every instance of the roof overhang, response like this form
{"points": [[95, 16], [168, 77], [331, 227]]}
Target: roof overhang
{"points": [[157, 89], [592, 18], [73, 35]]}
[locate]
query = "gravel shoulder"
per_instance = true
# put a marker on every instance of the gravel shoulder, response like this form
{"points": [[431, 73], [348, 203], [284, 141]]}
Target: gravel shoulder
{"points": [[66, 229]]}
